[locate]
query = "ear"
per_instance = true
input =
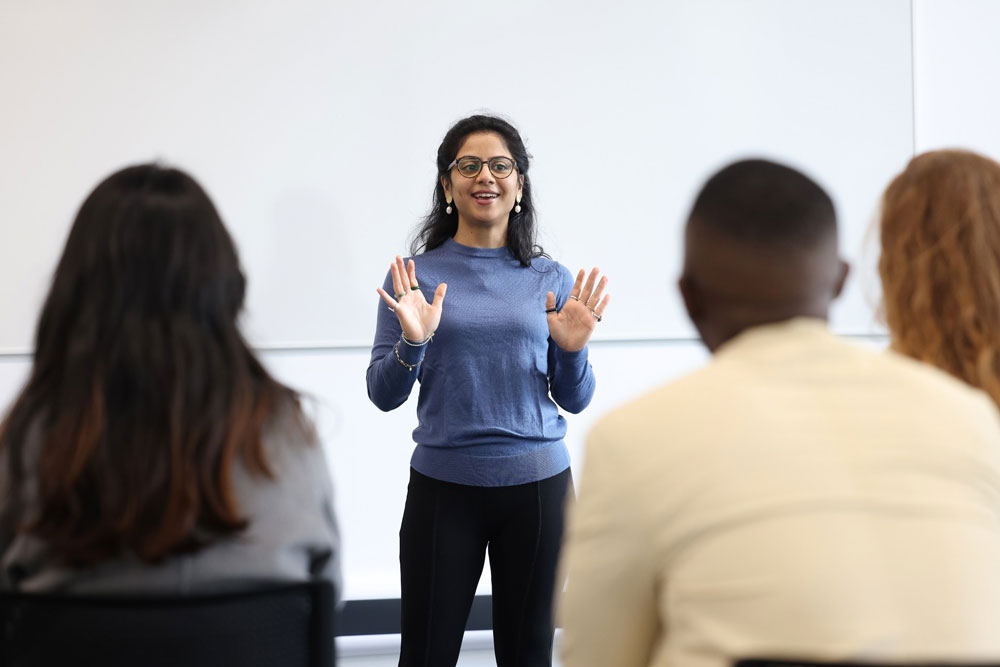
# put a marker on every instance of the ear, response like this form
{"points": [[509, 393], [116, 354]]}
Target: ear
{"points": [[838, 287], [520, 186], [693, 302], [446, 185]]}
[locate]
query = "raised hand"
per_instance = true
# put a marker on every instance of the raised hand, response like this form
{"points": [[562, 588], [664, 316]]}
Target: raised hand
{"points": [[417, 318], [572, 326]]}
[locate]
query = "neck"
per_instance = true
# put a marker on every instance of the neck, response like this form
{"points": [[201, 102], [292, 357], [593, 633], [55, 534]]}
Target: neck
{"points": [[481, 236], [722, 329]]}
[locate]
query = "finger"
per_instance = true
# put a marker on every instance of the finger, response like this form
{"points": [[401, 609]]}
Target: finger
{"points": [[550, 304], [439, 295], [588, 287], [577, 285], [598, 291], [404, 279], [411, 271], [397, 280], [602, 305], [389, 301]]}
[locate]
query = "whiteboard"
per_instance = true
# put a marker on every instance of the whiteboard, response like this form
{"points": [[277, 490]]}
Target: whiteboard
{"points": [[287, 110], [956, 56]]}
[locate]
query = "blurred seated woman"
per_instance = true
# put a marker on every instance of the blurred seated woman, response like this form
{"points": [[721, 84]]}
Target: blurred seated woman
{"points": [[149, 450], [940, 264]]}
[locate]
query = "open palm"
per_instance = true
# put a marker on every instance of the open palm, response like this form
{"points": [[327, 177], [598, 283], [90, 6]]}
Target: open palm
{"points": [[417, 318], [572, 326]]}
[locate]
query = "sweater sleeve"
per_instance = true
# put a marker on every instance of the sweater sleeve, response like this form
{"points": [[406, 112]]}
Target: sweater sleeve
{"points": [[571, 377], [389, 381], [325, 556]]}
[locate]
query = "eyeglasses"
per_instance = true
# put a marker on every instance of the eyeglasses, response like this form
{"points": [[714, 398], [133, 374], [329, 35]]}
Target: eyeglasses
{"points": [[470, 166]]}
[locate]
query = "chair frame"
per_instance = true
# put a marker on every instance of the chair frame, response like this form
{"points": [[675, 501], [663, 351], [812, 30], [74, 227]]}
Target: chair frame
{"points": [[26, 639]]}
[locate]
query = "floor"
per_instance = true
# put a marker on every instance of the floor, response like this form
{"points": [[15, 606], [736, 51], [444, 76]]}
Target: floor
{"points": [[477, 651], [474, 658]]}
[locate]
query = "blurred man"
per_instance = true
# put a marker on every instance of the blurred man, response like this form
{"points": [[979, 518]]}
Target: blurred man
{"points": [[800, 496]]}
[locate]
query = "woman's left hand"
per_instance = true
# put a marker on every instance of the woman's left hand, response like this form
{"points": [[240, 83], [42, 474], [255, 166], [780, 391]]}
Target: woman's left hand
{"points": [[572, 326]]}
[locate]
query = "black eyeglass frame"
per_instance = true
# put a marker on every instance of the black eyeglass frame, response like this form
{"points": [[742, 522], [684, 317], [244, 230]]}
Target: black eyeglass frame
{"points": [[489, 163]]}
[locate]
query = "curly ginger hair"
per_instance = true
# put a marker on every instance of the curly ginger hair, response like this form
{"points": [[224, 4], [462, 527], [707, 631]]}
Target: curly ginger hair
{"points": [[940, 264]]}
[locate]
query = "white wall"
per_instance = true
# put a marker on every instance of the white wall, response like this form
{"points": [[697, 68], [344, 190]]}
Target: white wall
{"points": [[314, 126], [370, 449], [955, 66]]}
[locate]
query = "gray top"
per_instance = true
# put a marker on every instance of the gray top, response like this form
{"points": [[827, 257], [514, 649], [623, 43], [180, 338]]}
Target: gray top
{"points": [[292, 534]]}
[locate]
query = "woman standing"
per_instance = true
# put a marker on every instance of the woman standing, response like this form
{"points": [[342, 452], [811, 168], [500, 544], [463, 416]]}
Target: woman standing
{"points": [[490, 472]]}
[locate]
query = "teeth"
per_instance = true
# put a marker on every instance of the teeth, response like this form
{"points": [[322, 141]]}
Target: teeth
{"points": [[485, 196]]}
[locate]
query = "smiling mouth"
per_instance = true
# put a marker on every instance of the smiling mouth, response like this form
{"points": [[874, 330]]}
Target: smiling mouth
{"points": [[485, 195]]}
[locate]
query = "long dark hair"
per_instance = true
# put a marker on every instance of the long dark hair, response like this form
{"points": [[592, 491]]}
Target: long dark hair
{"points": [[439, 226], [143, 392]]}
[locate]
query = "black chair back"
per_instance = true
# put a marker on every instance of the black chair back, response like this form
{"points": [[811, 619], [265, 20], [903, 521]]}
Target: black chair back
{"points": [[287, 625]]}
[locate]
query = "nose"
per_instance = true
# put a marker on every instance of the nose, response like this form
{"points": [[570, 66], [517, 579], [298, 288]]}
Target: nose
{"points": [[485, 175]]}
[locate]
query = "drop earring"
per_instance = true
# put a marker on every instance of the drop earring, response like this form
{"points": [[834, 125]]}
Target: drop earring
{"points": [[517, 207], [448, 207]]}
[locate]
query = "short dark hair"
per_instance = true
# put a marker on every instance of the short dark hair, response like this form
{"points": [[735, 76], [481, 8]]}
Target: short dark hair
{"points": [[143, 393], [439, 226], [765, 203]]}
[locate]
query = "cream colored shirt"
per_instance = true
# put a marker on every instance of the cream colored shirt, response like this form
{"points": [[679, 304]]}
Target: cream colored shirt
{"points": [[799, 496]]}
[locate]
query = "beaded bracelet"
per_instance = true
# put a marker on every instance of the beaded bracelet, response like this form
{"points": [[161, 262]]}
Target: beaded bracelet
{"points": [[409, 367]]}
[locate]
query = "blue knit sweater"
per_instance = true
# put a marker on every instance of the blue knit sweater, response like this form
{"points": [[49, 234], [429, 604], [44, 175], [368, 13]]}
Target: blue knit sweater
{"points": [[491, 377]]}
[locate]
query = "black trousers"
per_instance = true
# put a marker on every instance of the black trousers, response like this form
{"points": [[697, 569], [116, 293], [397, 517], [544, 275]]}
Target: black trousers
{"points": [[446, 532]]}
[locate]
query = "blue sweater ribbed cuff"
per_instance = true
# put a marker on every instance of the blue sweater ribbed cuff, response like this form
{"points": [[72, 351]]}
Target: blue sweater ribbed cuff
{"points": [[576, 359]]}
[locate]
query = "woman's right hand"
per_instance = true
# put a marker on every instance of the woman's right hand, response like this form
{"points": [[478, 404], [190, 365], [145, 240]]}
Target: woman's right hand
{"points": [[417, 318]]}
